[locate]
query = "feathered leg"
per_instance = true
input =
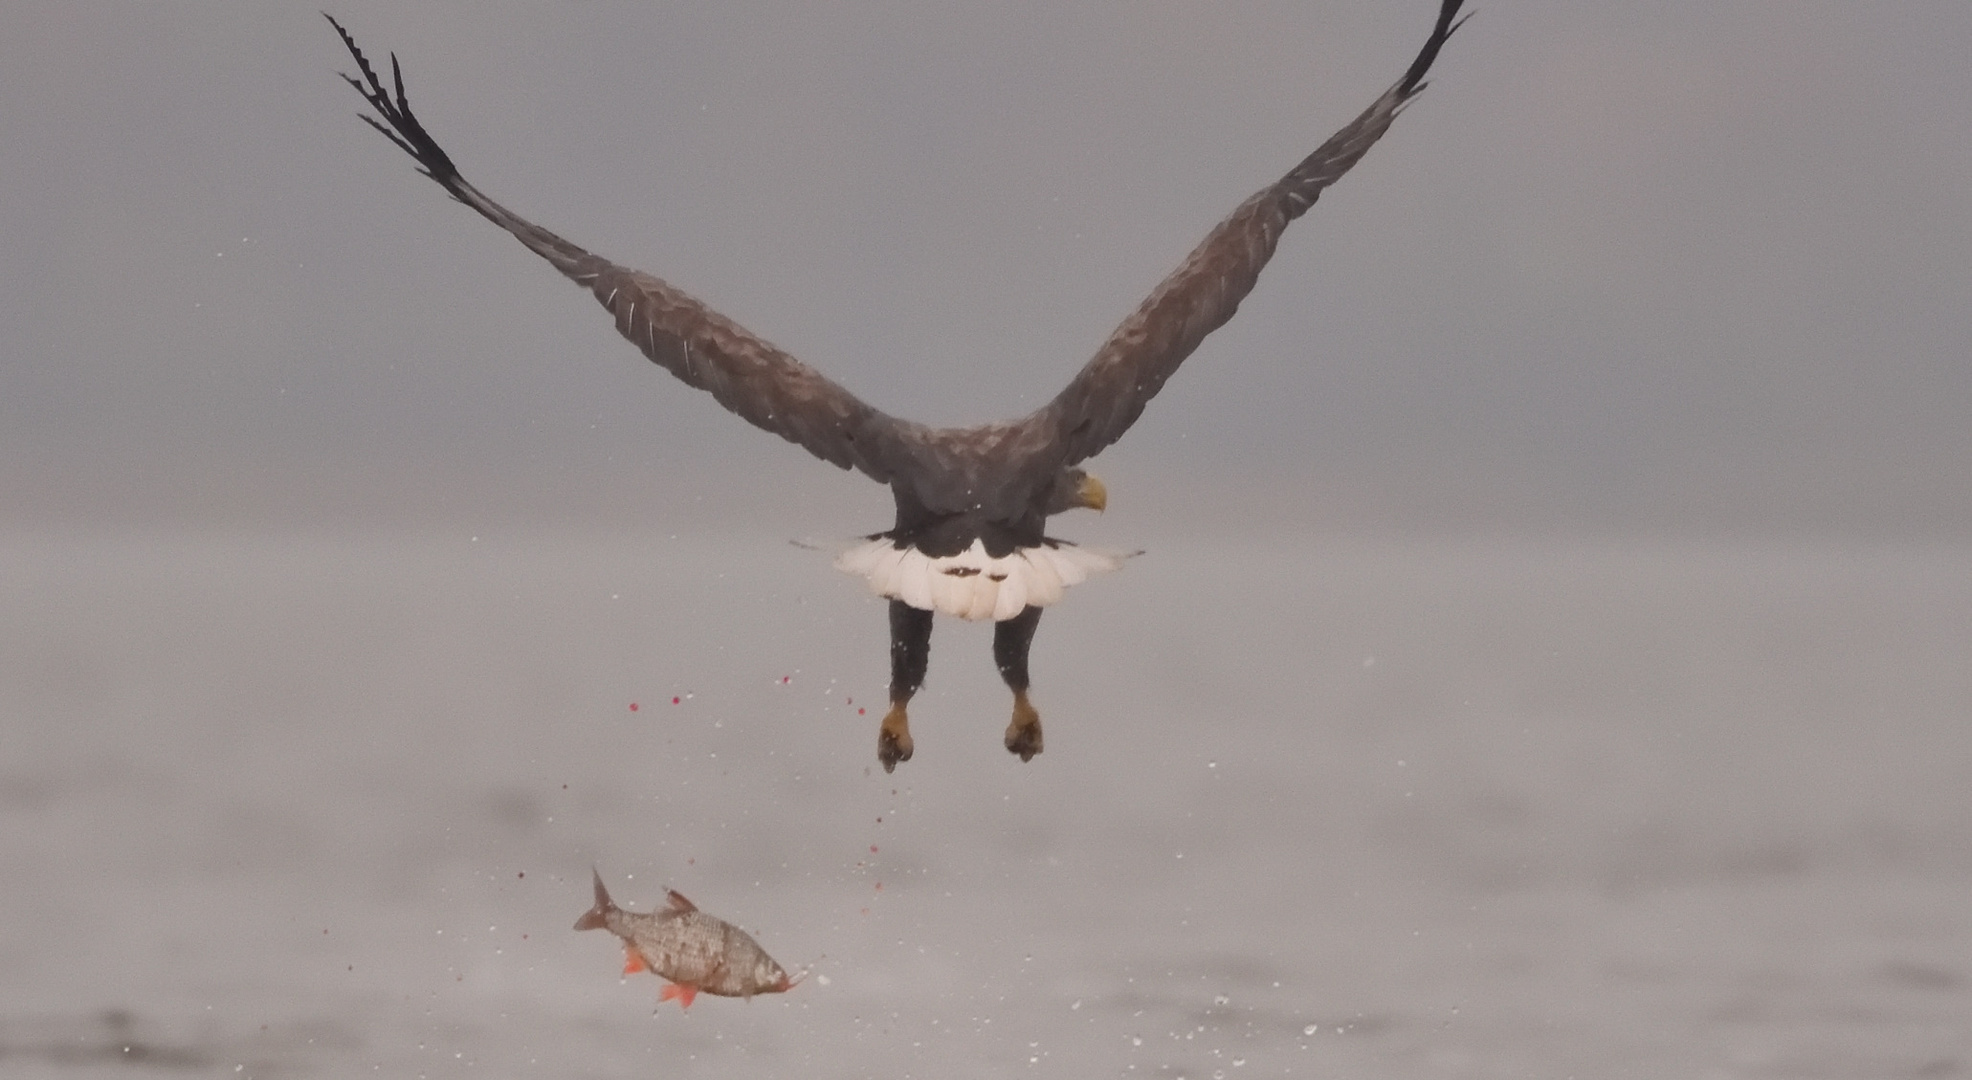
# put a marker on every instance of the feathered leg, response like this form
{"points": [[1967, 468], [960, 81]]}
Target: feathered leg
{"points": [[1010, 643], [910, 653]]}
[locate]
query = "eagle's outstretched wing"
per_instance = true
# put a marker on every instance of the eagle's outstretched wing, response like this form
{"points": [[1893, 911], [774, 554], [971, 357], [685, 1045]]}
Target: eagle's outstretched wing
{"points": [[765, 386], [1110, 392]]}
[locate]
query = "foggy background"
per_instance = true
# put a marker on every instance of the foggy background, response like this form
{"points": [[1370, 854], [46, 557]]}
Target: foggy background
{"points": [[1549, 658], [1691, 268]]}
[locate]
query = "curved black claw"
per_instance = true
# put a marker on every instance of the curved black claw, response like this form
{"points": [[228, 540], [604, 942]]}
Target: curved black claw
{"points": [[1025, 741], [890, 750], [1024, 734]]}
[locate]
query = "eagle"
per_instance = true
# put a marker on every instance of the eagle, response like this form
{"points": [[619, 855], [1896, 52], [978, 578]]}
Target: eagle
{"points": [[973, 503]]}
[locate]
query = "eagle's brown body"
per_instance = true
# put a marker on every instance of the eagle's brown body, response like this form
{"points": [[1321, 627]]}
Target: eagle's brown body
{"points": [[695, 952]]}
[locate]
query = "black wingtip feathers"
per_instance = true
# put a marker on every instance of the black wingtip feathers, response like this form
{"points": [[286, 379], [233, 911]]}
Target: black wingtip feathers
{"points": [[1449, 21], [399, 124]]}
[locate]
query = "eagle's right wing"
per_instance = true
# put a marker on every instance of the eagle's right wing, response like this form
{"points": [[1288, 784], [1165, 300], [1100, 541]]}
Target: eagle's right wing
{"points": [[1110, 392], [765, 386]]}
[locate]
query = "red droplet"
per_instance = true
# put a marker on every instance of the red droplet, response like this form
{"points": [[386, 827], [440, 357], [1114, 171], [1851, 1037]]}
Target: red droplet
{"points": [[872, 849], [674, 701], [879, 886], [633, 706], [860, 712], [785, 678]]}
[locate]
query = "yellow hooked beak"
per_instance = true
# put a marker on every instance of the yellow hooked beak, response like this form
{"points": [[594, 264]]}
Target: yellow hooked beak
{"points": [[1094, 495]]}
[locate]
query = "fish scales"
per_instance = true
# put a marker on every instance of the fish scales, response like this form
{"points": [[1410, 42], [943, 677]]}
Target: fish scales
{"points": [[696, 952]]}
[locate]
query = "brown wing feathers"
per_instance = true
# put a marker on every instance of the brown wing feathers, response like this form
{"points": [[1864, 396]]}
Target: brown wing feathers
{"points": [[758, 382], [772, 390], [1299, 188], [763, 385], [1108, 395]]}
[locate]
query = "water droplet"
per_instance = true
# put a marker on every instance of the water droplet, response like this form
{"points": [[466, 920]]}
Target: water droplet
{"points": [[1222, 1000], [1309, 1030]]}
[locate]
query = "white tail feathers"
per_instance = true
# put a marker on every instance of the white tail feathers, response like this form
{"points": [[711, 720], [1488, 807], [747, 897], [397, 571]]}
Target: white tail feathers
{"points": [[973, 584]]}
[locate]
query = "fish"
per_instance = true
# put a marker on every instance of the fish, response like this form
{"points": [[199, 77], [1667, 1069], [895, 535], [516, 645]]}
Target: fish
{"points": [[693, 952]]}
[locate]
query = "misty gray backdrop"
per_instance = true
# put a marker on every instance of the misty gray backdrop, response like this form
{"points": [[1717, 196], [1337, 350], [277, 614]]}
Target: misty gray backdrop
{"points": [[1694, 266], [1549, 658]]}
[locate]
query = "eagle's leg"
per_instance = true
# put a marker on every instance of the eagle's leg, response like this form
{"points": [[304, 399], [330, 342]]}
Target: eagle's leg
{"points": [[1011, 639], [910, 652]]}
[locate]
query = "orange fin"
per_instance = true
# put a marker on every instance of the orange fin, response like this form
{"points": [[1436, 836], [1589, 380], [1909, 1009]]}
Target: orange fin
{"points": [[633, 961], [679, 903], [684, 994]]}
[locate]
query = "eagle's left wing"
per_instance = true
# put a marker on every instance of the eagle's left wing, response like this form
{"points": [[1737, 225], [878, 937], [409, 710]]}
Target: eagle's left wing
{"points": [[745, 373], [1110, 392]]}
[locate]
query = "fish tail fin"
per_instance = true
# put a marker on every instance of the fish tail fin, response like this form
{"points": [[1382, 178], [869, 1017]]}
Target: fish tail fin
{"points": [[799, 977], [597, 918]]}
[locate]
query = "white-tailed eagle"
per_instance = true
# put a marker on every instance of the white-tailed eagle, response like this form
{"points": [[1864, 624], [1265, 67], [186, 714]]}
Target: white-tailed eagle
{"points": [[973, 502]]}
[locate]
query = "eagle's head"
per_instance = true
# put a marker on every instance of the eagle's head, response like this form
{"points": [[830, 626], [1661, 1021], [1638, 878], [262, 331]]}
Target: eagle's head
{"points": [[1076, 489]]}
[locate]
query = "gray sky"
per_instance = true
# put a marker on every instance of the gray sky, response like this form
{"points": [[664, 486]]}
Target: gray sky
{"points": [[1677, 266]]}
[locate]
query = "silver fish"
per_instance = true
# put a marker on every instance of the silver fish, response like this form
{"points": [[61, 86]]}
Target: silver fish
{"points": [[695, 952]]}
